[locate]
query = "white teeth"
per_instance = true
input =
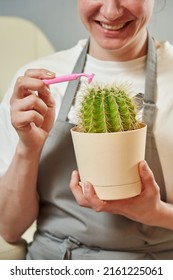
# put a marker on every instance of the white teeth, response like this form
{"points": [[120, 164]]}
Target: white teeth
{"points": [[112, 27]]}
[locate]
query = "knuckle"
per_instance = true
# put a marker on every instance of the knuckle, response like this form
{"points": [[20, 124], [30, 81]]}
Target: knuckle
{"points": [[81, 201], [42, 87], [19, 83], [36, 118], [28, 72], [71, 185], [13, 108], [19, 80], [32, 115], [35, 71], [156, 190], [11, 102], [13, 122], [14, 119], [98, 208], [33, 99]]}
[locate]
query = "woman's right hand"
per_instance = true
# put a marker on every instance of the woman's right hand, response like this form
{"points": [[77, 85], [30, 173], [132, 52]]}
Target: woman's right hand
{"points": [[32, 108], [32, 115]]}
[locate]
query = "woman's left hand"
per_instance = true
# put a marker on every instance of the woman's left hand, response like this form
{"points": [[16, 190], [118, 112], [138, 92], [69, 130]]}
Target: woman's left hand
{"points": [[144, 208]]}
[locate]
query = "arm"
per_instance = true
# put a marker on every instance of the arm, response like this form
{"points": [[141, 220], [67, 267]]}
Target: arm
{"points": [[32, 116], [146, 208]]}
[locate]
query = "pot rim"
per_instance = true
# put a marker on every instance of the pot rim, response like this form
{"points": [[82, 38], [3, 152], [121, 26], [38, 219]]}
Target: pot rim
{"points": [[142, 125]]}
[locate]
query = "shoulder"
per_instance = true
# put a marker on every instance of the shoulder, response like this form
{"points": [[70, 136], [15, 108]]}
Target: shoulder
{"points": [[165, 74]]}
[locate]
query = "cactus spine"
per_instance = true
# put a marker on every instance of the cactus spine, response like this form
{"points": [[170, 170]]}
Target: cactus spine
{"points": [[107, 109]]}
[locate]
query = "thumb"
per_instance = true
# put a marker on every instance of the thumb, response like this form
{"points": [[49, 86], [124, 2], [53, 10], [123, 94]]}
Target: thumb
{"points": [[145, 173]]}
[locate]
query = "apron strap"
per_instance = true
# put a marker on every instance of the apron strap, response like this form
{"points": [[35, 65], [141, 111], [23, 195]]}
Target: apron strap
{"points": [[149, 115], [149, 111], [73, 86]]}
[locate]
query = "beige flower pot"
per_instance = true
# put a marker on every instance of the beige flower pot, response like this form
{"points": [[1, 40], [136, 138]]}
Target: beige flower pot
{"points": [[110, 161]]}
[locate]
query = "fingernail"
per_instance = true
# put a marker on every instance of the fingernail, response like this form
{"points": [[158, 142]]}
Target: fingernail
{"points": [[144, 165], [50, 73], [73, 173]]}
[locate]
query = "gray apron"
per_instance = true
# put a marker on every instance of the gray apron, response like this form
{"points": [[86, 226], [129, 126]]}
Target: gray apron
{"points": [[67, 231]]}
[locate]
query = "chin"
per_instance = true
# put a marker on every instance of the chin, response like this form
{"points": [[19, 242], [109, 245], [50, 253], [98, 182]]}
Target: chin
{"points": [[111, 45]]}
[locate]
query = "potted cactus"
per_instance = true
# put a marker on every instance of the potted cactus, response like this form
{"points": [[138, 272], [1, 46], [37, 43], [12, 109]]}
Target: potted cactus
{"points": [[109, 141]]}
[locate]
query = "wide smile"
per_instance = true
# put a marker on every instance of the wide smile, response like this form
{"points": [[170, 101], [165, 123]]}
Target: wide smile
{"points": [[114, 27], [111, 28]]}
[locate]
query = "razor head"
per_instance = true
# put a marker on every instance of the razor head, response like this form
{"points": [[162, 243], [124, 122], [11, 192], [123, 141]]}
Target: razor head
{"points": [[90, 78]]}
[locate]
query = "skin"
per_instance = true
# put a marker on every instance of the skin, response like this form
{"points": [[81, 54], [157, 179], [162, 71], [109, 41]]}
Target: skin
{"points": [[33, 116]]}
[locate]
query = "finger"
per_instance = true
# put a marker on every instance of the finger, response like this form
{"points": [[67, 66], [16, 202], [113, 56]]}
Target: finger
{"points": [[27, 110], [93, 200], [145, 172], [24, 119], [31, 102], [147, 178], [26, 84], [39, 73], [77, 190], [31, 79], [43, 90]]}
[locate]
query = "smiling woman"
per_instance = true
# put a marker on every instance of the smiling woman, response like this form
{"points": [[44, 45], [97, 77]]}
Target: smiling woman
{"points": [[118, 26]]}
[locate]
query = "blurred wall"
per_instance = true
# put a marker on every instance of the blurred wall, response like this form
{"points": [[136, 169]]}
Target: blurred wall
{"points": [[60, 22]]}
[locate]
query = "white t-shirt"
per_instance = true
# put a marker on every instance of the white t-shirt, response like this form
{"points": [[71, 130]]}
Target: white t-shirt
{"points": [[132, 72]]}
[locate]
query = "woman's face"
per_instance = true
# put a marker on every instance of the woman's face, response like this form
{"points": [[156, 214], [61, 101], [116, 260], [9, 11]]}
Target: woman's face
{"points": [[115, 24]]}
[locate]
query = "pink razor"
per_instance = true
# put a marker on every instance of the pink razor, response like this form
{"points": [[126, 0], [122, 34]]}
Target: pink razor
{"points": [[67, 78]]}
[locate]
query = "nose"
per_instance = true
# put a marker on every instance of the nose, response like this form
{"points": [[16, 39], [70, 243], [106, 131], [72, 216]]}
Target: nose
{"points": [[111, 9]]}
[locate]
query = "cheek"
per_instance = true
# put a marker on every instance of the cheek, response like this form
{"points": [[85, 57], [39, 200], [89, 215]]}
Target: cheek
{"points": [[143, 10], [87, 9], [82, 11], [84, 8]]}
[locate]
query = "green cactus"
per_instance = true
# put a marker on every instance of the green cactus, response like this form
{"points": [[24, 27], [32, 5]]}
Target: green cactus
{"points": [[107, 109]]}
